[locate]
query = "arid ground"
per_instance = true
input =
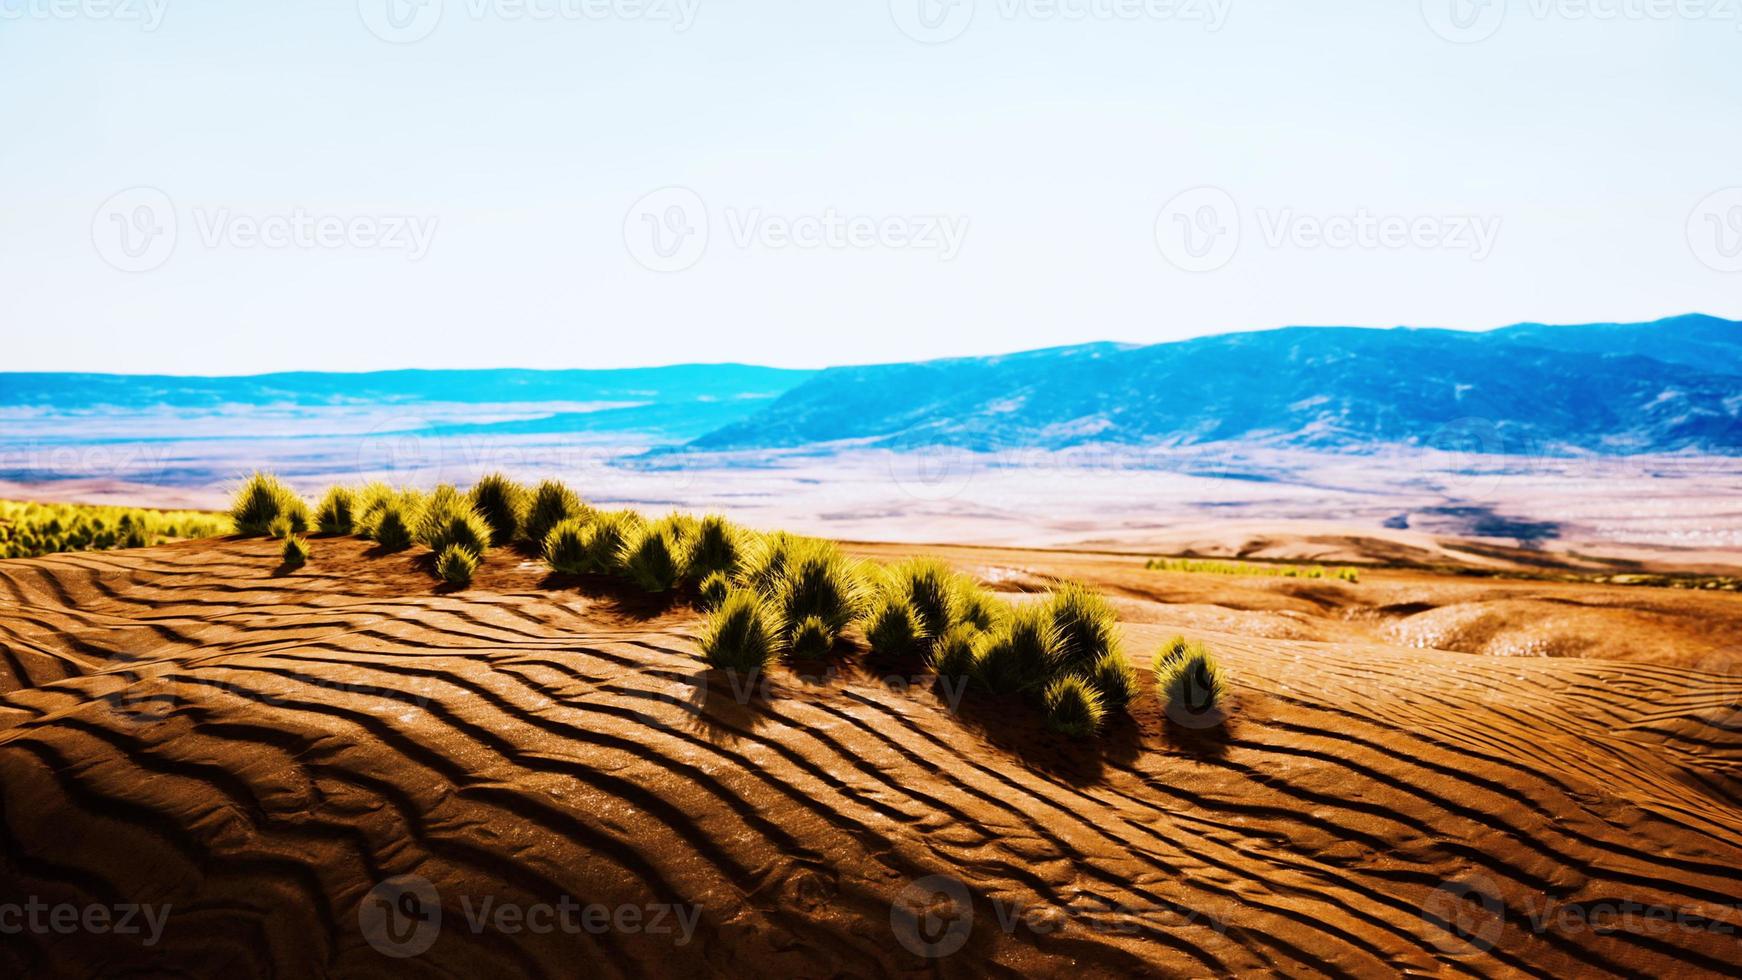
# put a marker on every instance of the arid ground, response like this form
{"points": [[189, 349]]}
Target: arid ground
{"points": [[346, 771]]}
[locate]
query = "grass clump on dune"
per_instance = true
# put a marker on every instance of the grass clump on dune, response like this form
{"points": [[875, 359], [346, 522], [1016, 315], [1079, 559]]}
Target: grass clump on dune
{"points": [[295, 551], [818, 584], [550, 504], [1115, 679], [952, 655], [894, 627], [977, 607], [713, 590], [1189, 681], [391, 528], [449, 519], [1020, 654], [650, 555], [455, 565], [1087, 627], [714, 545], [930, 587], [809, 638], [607, 534], [336, 513], [565, 547], [503, 504], [765, 560], [737, 636], [262, 499], [1073, 707]]}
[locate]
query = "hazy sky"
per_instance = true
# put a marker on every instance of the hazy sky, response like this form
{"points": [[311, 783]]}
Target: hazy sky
{"points": [[212, 186]]}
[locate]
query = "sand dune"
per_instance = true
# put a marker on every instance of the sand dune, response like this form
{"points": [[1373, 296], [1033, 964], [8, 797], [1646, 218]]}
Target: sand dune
{"points": [[184, 727]]}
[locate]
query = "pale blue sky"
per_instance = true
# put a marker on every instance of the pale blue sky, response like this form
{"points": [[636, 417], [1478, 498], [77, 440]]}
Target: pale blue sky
{"points": [[1011, 177]]}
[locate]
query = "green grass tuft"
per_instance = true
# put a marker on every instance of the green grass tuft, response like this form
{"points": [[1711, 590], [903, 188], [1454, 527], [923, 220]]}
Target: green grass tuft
{"points": [[1188, 680], [1073, 707], [818, 582], [810, 638], [714, 545], [607, 534], [976, 606], [1021, 654], [929, 586], [337, 511], [551, 503], [1088, 629], [737, 636], [392, 529], [456, 564], [1115, 679], [952, 655], [280, 528], [765, 560], [503, 504], [565, 547], [295, 551], [262, 499], [713, 590], [650, 556], [449, 518], [894, 627]]}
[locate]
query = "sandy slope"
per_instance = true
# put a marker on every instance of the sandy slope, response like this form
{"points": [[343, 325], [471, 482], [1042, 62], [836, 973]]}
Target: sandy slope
{"points": [[182, 726]]}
